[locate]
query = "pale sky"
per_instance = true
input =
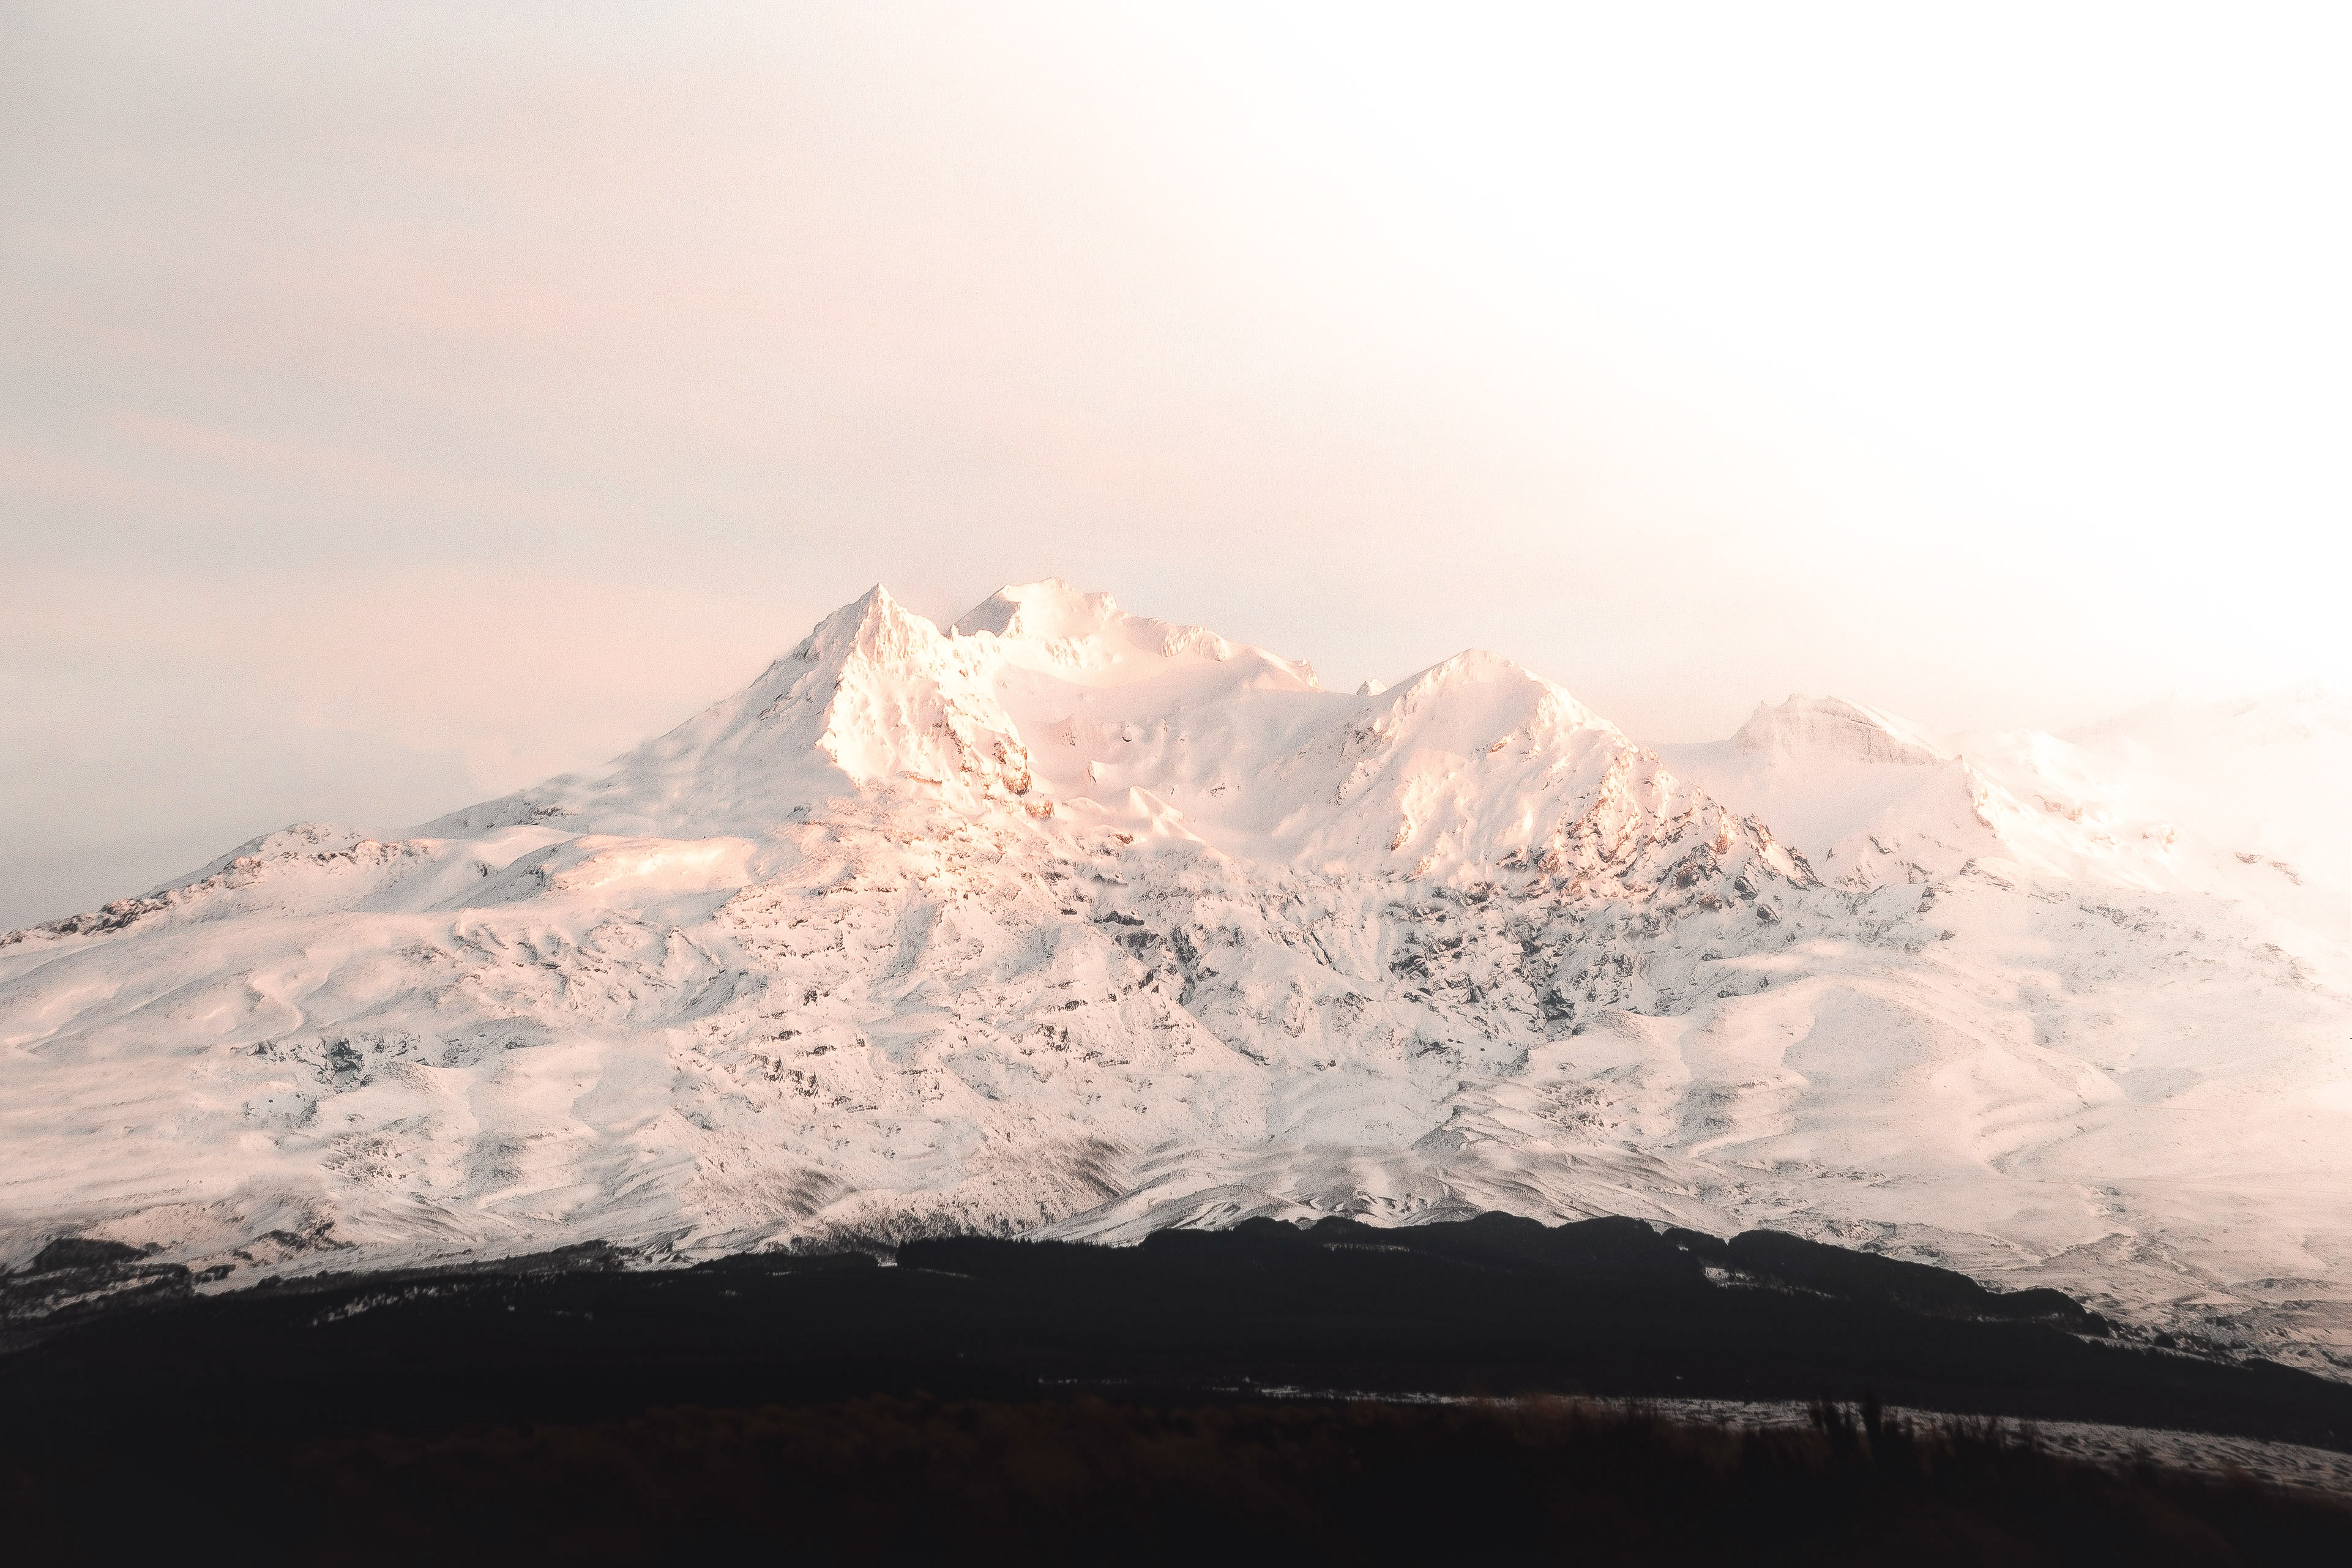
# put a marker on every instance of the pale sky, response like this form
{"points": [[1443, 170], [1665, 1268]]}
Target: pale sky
{"points": [[401, 403]]}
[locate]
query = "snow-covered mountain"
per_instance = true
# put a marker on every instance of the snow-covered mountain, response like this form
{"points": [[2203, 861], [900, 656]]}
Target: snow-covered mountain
{"points": [[1066, 919]]}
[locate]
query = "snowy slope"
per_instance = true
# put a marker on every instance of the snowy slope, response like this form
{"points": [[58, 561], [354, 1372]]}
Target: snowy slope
{"points": [[2239, 801], [2263, 778], [1873, 798], [1065, 919]]}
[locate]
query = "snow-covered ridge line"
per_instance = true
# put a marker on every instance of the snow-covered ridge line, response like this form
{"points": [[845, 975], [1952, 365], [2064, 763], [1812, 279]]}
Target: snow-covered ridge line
{"points": [[1061, 919]]}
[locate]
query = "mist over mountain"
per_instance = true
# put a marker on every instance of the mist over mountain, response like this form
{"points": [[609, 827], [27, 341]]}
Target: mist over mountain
{"points": [[1062, 921]]}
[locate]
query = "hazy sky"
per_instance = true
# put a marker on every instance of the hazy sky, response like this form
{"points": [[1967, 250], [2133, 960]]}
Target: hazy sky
{"points": [[400, 403]]}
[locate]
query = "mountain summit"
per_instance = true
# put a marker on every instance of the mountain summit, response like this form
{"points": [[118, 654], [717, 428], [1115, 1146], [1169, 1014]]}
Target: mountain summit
{"points": [[1047, 700], [1831, 726], [1063, 920]]}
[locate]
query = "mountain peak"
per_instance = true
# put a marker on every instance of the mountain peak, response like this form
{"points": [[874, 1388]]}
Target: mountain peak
{"points": [[1478, 677], [875, 695], [872, 624], [1040, 611], [1050, 625], [1831, 726]]}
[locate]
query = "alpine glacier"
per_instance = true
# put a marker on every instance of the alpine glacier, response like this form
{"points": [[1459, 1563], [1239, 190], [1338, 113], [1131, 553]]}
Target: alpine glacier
{"points": [[1066, 921]]}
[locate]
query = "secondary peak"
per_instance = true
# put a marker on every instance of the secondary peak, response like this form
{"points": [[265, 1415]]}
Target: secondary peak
{"points": [[1040, 611], [1832, 726]]}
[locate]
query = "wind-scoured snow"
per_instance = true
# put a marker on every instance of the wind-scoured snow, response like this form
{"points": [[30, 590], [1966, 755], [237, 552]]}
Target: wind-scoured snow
{"points": [[1064, 919]]}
